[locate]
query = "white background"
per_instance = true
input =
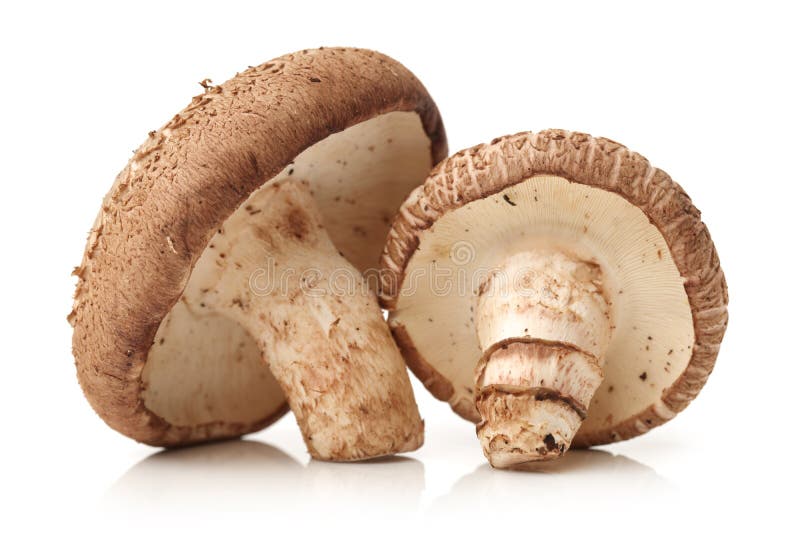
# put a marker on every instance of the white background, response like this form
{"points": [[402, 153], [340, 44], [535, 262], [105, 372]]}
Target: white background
{"points": [[707, 92]]}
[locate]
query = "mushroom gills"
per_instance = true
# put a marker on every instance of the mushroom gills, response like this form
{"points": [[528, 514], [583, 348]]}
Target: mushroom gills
{"points": [[624, 286]]}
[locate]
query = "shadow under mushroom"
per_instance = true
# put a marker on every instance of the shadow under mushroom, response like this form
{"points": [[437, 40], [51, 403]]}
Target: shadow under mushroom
{"points": [[247, 475], [591, 478]]}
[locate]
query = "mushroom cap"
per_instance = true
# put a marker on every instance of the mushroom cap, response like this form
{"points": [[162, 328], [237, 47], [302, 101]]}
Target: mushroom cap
{"points": [[191, 175], [668, 293]]}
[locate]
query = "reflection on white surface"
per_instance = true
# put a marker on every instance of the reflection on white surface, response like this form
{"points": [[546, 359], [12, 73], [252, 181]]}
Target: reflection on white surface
{"points": [[387, 484], [250, 475], [227, 475], [591, 478]]}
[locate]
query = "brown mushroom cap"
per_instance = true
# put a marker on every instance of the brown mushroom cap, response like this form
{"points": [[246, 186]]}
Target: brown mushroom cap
{"points": [[494, 200], [360, 128]]}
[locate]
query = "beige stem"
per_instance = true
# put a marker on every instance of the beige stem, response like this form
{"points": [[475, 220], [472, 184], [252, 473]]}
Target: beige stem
{"points": [[544, 326], [318, 325]]}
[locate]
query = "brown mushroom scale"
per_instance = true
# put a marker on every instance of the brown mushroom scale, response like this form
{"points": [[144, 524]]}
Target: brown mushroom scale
{"points": [[556, 289]]}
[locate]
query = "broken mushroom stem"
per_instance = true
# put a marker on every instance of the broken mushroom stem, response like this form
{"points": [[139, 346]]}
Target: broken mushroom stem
{"points": [[317, 323], [544, 325]]}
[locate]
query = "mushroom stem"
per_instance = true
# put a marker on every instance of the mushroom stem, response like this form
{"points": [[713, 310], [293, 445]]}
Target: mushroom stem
{"points": [[544, 326], [317, 323]]}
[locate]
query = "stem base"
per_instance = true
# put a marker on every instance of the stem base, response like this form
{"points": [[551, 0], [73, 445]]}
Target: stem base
{"points": [[525, 426]]}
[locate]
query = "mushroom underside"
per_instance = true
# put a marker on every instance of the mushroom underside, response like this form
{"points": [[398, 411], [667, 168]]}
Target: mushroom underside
{"points": [[206, 365], [441, 327]]}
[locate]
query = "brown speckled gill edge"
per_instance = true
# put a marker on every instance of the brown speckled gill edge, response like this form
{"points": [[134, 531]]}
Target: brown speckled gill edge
{"points": [[486, 169], [183, 183]]}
